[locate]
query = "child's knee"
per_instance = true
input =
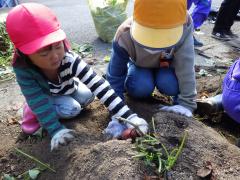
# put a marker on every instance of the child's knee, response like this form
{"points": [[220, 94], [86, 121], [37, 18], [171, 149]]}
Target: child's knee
{"points": [[167, 82], [87, 99], [170, 89], [139, 82], [140, 90], [83, 95], [67, 112]]}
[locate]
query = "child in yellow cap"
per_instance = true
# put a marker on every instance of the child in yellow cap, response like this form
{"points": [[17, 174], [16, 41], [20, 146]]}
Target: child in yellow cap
{"points": [[155, 49]]}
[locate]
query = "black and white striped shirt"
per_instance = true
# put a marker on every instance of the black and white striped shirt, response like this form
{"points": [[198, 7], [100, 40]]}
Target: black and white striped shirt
{"points": [[71, 67]]}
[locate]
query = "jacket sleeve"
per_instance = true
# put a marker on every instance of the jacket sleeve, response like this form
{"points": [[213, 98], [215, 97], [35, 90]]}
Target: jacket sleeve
{"points": [[200, 12], [38, 101], [100, 88], [183, 63], [117, 69]]}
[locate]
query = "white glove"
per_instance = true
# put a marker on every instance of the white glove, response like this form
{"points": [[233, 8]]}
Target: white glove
{"points": [[140, 122], [61, 137], [115, 128], [178, 109]]}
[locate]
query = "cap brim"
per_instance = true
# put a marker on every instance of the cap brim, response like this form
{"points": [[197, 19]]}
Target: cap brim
{"points": [[156, 38], [46, 40]]}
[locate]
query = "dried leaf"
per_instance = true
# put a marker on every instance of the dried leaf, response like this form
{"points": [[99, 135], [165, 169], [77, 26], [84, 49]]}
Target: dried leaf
{"points": [[152, 177], [205, 171], [204, 95], [12, 120], [33, 173]]}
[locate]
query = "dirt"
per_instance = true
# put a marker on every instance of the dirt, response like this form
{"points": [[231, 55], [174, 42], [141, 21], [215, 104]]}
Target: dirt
{"points": [[91, 156]]}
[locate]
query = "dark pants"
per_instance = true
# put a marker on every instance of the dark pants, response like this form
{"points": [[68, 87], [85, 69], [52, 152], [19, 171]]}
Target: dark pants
{"points": [[226, 15], [8, 3]]}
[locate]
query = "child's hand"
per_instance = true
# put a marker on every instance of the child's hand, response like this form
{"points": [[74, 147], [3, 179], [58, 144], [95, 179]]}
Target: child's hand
{"points": [[178, 109], [61, 137], [115, 128], [140, 122]]}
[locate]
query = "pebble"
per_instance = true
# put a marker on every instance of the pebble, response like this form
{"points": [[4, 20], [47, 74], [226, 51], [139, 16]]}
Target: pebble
{"points": [[13, 168], [3, 160]]}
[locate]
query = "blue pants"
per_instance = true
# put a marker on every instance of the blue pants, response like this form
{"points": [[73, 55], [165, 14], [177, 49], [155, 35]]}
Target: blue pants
{"points": [[69, 106], [141, 82], [8, 3]]}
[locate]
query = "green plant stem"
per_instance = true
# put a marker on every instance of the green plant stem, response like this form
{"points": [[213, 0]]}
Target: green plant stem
{"points": [[160, 164], [152, 138], [129, 122], [35, 160], [165, 149], [178, 152], [153, 124], [27, 172]]}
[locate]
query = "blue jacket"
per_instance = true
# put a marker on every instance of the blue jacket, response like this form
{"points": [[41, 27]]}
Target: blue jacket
{"points": [[200, 12], [231, 91]]}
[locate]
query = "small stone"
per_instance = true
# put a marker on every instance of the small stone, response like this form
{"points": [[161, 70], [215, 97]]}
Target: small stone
{"points": [[12, 155], [238, 142], [231, 170], [3, 160], [13, 168]]}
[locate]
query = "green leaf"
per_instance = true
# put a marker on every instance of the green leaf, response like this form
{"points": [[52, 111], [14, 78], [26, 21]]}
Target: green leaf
{"points": [[83, 50], [8, 177], [107, 16], [106, 58], [33, 173], [6, 47]]}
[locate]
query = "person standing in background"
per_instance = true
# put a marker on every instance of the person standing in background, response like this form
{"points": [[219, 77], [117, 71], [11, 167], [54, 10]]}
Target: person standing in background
{"points": [[199, 15], [225, 19]]}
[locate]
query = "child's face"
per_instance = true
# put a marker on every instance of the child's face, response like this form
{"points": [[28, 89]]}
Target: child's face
{"points": [[49, 57]]}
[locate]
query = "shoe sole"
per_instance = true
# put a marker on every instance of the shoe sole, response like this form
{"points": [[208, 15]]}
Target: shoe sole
{"points": [[219, 38]]}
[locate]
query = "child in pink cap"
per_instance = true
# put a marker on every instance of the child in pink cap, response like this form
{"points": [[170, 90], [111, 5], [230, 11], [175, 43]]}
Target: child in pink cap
{"points": [[55, 81]]}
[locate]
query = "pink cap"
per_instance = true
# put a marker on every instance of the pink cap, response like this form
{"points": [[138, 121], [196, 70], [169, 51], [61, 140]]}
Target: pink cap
{"points": [[32, 26]]}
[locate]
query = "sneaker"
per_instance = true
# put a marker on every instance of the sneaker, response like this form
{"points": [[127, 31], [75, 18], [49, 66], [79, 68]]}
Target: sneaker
{"points": [[221, 36], [197, 43]]}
